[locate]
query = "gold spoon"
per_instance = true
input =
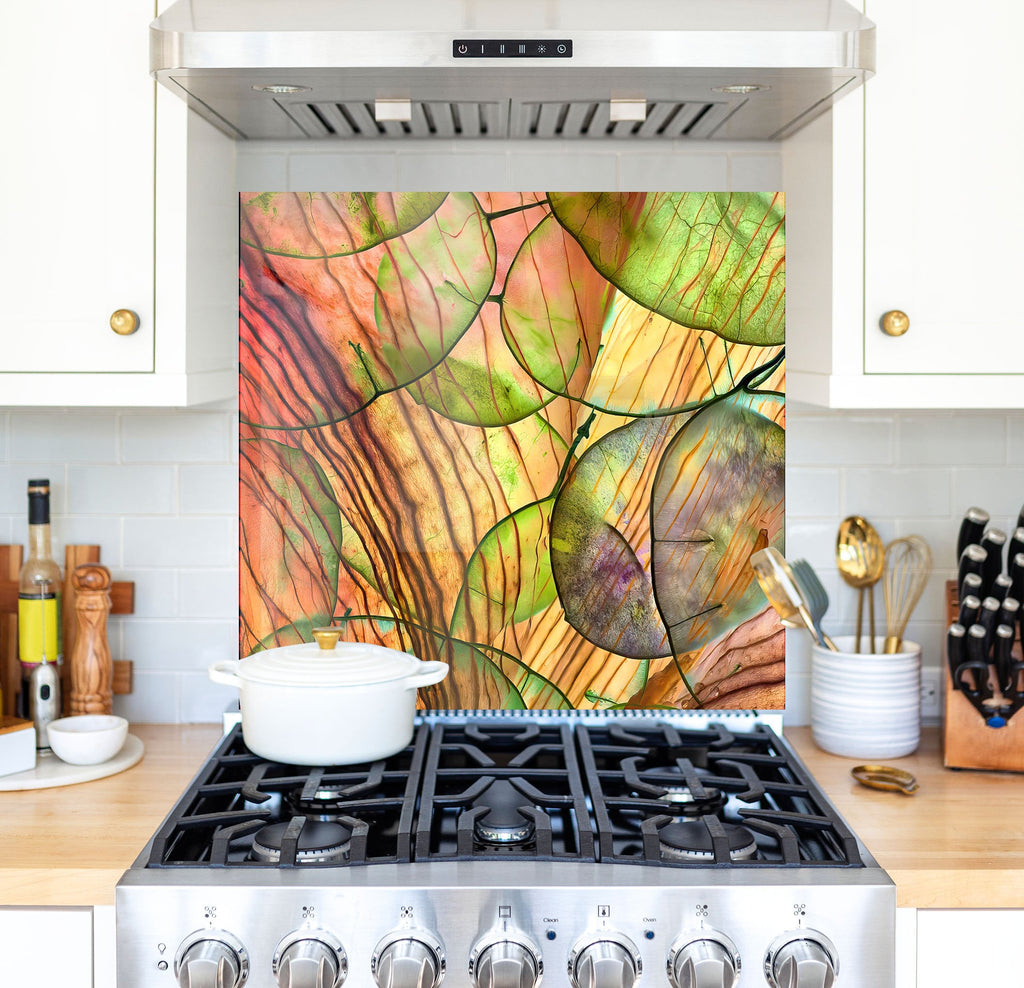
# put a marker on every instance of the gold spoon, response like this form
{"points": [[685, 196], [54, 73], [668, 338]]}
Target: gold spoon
{"points": [[860, 558]]}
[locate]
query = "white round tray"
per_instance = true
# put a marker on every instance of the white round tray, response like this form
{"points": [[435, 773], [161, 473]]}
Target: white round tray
{"points": [[50, 771]]}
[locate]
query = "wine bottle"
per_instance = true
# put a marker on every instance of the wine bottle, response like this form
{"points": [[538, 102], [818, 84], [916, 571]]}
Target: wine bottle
{"points": [[39, 592]]}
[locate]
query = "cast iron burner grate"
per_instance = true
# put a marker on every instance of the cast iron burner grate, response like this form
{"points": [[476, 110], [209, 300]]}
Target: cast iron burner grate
{"points": [[507, 787]]}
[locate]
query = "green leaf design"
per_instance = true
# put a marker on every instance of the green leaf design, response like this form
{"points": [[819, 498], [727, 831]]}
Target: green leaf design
{"points": [[333, 224], [430, 285], [718, 497], [552, 309], [708, 260], [480, 382], [485, 686], [508, 578]]}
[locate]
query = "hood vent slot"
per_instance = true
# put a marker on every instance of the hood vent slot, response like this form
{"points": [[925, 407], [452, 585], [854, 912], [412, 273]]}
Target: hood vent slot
{"points": [[435, 118], [354, 119], [584, 118]]}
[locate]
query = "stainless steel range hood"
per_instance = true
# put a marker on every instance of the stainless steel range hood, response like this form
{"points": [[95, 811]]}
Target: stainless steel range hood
{"points": [[532, 69]]}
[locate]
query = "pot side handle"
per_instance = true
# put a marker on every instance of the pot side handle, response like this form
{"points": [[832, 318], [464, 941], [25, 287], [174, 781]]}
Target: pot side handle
{"points": [[224, 673], [430, 673]]}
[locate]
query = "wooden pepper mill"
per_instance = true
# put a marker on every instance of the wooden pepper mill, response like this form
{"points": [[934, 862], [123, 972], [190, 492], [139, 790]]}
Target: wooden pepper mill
{"points": [[91, 670]]}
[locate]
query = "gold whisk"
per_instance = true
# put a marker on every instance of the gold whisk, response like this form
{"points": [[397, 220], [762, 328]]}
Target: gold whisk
{"points": [[908, 563]]}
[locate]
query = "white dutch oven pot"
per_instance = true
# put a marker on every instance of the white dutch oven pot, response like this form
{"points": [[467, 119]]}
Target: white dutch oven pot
{"points": [[317, 704]]}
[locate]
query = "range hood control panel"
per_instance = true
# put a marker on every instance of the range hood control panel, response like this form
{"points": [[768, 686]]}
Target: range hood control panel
{"points": [[514, 48]]}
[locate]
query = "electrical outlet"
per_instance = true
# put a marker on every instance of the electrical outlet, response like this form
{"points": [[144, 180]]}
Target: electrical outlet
{"points": [[931, 694]]}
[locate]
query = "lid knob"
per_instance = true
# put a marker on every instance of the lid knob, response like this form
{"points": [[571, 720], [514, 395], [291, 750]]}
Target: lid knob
{"points": [[327, 638]]}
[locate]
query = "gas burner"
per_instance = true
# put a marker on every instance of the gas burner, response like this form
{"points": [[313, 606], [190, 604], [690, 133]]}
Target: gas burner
{"points": [[691, 841], [682, 801], [318, 842], [502, 823]]}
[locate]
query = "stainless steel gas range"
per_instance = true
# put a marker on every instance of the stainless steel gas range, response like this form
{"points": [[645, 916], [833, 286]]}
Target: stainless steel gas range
{"points": [[501, 850]]}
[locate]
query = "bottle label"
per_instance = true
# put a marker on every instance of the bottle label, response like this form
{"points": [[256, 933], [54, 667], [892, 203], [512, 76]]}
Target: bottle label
{"points": [[39, 629]]}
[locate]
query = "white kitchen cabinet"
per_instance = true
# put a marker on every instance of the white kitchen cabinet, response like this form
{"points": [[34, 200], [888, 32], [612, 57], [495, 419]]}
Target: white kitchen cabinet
{"points": [[969, 947], [904, 198], [116, 198], [47, 947]]}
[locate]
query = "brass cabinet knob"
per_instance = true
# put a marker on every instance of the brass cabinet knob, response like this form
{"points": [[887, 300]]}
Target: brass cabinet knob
{"points": [[895, 323], [124, 322]]}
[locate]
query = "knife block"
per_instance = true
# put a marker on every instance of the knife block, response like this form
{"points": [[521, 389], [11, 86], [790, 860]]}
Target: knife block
{"points": [[967, 741]]}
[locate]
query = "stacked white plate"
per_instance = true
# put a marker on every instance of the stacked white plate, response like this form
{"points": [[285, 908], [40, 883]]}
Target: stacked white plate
{"points": [[866, 705]]}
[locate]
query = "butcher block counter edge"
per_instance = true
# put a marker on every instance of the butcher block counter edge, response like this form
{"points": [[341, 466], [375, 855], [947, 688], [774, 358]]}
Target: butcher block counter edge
{"points": [[957, 843]]}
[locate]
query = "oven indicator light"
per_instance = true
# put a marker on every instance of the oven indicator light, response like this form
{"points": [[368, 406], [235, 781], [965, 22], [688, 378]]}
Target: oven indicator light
{"points": [[161, 965], [551, 934]]}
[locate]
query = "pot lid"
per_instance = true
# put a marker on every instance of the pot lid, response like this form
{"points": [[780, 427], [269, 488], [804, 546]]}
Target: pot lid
{"points": [[346, 664]]}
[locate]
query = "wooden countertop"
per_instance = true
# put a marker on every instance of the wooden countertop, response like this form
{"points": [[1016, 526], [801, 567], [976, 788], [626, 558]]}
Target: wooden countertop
{"points": [[957, 843]]}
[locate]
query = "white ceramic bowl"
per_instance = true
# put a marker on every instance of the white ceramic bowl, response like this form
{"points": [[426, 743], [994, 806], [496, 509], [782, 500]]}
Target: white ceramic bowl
{"points": [[88, 739]]}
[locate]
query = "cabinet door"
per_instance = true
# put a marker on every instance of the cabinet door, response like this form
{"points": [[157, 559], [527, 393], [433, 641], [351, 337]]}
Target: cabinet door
{"points": [[944, 152], [77, 179], [46, 948], [968, 947]]}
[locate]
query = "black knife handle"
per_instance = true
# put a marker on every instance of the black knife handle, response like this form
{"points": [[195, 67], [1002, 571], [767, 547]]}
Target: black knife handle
{"points": [[970, 608], [1017, 576], [956, 650], [1004, 644], [1020, 517], [1009, 612], [971, 586], [993, 542], [1016, 545], [973, 524], [972, 560], [1001, 587], [977, 661], [989, 618]]}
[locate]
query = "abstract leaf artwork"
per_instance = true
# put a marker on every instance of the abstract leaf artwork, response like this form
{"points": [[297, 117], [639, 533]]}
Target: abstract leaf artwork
{"points": [[534, 435]]}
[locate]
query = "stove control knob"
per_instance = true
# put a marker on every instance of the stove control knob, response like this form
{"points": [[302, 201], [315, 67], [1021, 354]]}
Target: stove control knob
{"points": [[801, 959], [709, 960], [211, 959], [408, 959], [310, 959], [505, 963], [608, 960]]}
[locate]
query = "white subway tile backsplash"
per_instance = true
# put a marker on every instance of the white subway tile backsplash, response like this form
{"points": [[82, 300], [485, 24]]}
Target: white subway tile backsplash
{"points": [[154, 698], [999, 490], [667, 172], [896, 493], [816, 440], [812, 492], [88, 529], [945, 439], [1015, 439], [209, 490], [156, 592], [180, 542], [175, 437], [160, 646], [121, 490], [14, 478], [76, 437], [812, 539], [209, 593], [203, 701]]}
